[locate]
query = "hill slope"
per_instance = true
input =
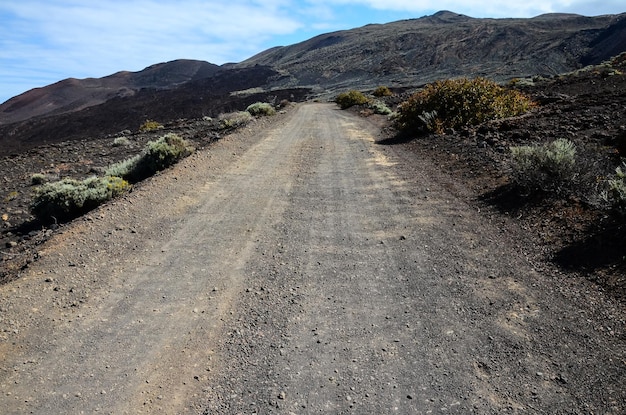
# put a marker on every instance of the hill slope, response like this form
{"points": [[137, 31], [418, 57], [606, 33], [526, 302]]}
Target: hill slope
{"points": [[447, 44], [72, 95], [401, 54]]}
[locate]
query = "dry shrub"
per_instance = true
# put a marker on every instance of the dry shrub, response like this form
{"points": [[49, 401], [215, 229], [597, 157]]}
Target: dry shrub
{"points": [[351, 98], [459, 102]]}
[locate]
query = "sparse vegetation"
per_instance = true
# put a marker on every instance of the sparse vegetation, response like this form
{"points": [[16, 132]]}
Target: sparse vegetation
{"points": [[124, 168], [11, 196], [232, 120], [157, 155], [68, 198], [616, 192], [351, 98], [38, 179], [261, 109], [379, 107], [456, 103], [382, 91], [547, 168], [150, 125], [121, 141]]}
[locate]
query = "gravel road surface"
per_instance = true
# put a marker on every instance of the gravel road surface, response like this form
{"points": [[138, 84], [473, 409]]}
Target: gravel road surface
{"points": [[299, 267]]}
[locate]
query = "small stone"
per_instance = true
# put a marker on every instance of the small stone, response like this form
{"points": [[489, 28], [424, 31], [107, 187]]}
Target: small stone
{"points": [[282, 395]]}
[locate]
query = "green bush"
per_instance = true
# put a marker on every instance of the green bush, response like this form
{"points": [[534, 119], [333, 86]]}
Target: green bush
{"points": [[69, 198], [548, 168], [616, 192], [156, 156], [457, 103], [150, 125], [38, 179], [260, 109], [124, 168], [234, 120], [165, 151], [351, 98], [379, 107], [382, 91], [121, 141]]}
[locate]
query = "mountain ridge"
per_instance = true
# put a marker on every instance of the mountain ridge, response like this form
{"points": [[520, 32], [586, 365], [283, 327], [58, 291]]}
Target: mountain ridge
{"points": [[445, 44], [401, 54], [73, 94]]}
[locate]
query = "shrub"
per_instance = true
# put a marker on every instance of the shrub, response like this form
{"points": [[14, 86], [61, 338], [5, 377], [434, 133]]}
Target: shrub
{"points": [[461, 102], [150, 125], [156, 156], [11, 196], [382, 91], [548, 168], [165, 151], [121, 141], [261, 108], [351, 98], [380, 108], [234, 120], [38, 179], [616, 192], [123, 168], [68, 198]]}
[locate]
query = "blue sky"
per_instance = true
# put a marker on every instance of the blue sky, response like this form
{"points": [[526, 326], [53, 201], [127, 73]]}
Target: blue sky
{"points": [[45, 41]]}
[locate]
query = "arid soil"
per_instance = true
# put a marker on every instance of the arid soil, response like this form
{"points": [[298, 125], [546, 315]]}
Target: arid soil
{"points": [[577, 232], [304, 266]]}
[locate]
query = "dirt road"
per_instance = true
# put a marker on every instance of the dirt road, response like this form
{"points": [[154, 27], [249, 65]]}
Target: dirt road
{"points": [[301, 268]]}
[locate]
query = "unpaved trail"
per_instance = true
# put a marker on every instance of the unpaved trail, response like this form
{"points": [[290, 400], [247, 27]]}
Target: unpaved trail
{"points": [[302, 268]]}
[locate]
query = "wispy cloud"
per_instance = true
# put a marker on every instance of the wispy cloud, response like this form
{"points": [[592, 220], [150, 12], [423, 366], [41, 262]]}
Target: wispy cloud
{"points": [[43, 41], [482, 8], [80, 39]]}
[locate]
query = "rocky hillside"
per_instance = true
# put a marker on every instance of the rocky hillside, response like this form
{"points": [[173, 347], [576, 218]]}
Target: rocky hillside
{"points": [[72, 95], [401, 54], [446, 44]]}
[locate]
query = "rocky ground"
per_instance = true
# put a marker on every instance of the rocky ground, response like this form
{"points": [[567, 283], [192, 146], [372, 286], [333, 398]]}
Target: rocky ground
{"points": [[578, 233], [21, 232]]}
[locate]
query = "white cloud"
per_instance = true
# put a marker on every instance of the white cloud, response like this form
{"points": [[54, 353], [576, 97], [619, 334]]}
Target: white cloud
{"points": [[65, 38]]}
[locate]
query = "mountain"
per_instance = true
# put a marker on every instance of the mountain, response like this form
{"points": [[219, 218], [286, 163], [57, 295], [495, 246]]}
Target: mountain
{"points": [[72, 94], [444, 45], [402, 54]]}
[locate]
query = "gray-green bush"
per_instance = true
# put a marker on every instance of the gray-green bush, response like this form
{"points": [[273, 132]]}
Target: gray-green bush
{"points": [[616, 192], [547, 168], [379, 107], [68, 198], [260, 109], [156, 156], [38, 178], [232, 120]]}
